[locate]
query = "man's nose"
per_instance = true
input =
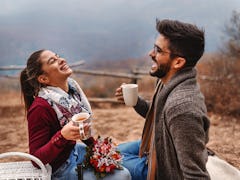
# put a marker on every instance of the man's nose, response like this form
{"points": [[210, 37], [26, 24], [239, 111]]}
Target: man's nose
{"points": [[151, 53]]}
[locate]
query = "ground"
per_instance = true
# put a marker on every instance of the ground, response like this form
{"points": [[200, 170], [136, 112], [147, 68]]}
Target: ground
{"points": [[118, 122]]}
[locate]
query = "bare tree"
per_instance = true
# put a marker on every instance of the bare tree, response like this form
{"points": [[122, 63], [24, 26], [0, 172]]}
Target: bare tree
{"points": [[232, 30]]}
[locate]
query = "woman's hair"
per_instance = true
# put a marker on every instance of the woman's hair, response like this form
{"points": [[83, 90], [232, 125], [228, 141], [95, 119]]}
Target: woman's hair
{"points": [[28, 78], [185, 40]]}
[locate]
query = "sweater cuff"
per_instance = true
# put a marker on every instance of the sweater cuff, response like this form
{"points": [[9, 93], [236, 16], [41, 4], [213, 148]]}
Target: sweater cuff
{"points": [[58, 140]]}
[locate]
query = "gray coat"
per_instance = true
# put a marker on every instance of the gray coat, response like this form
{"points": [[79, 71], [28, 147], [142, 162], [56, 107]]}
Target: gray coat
{"points": [[181, 128]]}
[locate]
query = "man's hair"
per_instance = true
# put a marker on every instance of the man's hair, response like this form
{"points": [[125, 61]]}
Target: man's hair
{"points": [[185, 40]]}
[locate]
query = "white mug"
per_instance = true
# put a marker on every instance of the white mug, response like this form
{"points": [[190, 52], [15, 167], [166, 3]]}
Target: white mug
{"points": [[130, 94], [80, 120]]}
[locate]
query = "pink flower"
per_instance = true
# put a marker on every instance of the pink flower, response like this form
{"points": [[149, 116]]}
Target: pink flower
{"points": [[103, 157]]}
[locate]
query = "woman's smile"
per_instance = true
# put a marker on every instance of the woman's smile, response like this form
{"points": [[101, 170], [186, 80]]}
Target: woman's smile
{"points": [[64, 67]]}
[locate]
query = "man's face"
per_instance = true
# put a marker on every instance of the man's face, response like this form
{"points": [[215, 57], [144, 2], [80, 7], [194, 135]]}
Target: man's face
{"points": [[160, 55]]}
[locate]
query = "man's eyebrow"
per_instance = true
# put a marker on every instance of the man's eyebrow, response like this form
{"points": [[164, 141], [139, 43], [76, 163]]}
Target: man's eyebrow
{"points": [[157, 46], [161, 49]]}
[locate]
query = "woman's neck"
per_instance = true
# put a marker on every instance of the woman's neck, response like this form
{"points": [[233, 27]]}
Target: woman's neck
{"points": [[63, 85]]}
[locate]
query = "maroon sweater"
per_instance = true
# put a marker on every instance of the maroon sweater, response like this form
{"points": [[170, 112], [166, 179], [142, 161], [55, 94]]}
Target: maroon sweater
{"points": [[45, 139]]}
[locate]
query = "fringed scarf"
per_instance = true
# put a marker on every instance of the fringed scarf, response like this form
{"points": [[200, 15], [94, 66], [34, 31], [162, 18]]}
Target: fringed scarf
{"points": [[66, 104]]}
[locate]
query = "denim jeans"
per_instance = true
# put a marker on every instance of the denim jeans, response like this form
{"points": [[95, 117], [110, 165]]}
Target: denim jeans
{"points": [[131, 160], [68, 170]]}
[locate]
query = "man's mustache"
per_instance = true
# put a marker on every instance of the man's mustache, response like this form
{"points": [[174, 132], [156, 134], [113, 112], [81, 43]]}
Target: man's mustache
{"points": [[153, 59]]}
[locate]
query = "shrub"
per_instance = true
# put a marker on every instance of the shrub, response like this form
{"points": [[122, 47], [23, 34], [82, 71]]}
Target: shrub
{"points": [[220, 84]]}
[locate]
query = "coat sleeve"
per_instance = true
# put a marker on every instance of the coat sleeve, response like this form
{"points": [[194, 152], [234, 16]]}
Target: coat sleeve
{"points": [[45, 140], [142, 107], [189, 138]]}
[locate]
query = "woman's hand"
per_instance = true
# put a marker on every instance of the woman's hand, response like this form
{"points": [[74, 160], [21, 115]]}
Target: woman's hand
{"points": [[71, 132], [119, 94]]}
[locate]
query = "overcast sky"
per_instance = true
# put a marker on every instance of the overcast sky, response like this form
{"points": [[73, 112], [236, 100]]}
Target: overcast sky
{"points": [[101, 29]]}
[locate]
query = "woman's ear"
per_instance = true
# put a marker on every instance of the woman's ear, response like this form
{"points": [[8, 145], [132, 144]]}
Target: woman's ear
{"points": [[179, 62], [43, 79]]}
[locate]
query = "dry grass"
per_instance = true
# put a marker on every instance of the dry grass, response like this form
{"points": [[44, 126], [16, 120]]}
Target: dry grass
{"points": [[120, 122]]}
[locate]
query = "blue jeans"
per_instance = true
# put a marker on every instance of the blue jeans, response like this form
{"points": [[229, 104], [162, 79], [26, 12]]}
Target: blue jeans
{"points": [[68, 170], [137, 166]]}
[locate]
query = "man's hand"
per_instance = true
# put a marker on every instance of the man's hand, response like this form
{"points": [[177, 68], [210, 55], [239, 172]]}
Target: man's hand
{"points": [[119, 94]]}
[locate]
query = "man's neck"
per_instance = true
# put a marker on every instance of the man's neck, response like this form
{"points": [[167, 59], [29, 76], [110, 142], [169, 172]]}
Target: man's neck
{"points": [[168, 77]]}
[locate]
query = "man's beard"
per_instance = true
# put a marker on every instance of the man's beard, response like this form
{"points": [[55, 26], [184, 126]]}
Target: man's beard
{"points": [[162, 70]]}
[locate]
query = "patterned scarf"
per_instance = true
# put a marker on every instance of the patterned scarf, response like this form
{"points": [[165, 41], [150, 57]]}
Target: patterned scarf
{"points": [[66, 104]]}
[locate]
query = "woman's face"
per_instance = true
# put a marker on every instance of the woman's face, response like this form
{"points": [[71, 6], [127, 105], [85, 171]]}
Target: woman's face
{"points": [[55, 68]]}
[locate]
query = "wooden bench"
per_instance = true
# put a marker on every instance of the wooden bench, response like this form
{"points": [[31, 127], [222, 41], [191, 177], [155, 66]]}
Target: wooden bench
{"points": [[22, 170]]}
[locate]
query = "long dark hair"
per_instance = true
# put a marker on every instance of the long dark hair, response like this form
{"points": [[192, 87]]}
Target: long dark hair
{"points": [[28, 78]]}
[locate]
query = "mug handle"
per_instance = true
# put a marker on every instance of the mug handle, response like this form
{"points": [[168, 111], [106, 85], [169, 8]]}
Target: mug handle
{"points": [[81, 131]]}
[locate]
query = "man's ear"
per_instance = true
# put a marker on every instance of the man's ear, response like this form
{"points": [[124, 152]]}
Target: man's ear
{"points": [[43, 79], [179, 62]]}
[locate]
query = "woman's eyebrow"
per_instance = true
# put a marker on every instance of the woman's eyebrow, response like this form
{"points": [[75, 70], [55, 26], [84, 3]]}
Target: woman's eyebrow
{"points": [[48, 61]]}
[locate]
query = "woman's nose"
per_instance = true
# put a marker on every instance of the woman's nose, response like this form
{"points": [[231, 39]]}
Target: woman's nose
{"points": [[61, 60]]}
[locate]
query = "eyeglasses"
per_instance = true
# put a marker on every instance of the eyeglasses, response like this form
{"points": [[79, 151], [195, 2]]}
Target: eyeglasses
{"points": [[157, 49]]}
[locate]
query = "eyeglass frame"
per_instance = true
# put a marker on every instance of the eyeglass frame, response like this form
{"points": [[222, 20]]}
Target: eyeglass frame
{"points": [[157, 49]]}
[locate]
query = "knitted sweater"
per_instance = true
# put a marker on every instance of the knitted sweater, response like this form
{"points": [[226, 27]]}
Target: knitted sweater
{"points": [[45, 139], [181, 128]]}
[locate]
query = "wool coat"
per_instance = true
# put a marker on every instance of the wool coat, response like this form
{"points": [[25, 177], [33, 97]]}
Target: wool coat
{"points": [[181, 128]]}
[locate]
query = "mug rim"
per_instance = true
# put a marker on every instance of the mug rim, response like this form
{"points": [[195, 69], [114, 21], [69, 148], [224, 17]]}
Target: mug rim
{"points": [[78, 114], [129, 85]]}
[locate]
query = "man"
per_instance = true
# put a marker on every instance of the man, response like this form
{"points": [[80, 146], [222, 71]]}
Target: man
{"points": [[175, 133]]}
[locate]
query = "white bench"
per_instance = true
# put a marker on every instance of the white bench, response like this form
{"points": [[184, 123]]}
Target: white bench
{"points": [[23, 170], [221, 170]]}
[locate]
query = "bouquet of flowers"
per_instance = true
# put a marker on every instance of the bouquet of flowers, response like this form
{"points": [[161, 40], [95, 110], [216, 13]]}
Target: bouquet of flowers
{"points": [[102, 157]]}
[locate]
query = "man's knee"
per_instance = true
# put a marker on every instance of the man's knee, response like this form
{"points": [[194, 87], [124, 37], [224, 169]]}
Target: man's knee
{"points": [[129, 148]]}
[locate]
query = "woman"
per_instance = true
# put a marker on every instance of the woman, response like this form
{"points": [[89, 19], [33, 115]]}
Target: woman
{"points": [[51, 99]]}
